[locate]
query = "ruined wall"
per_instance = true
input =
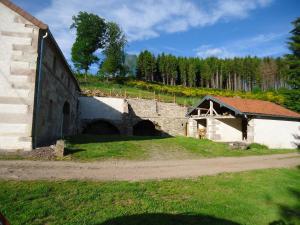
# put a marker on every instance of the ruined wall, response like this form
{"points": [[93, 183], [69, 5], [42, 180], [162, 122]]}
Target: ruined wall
{"points": [[170, 117], [57, 90], [18, 60], [125, 113]]}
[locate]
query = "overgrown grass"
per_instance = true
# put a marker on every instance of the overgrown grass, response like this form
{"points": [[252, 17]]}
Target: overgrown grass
{"points": [[90, 147], [256, 197], [183, 95]]}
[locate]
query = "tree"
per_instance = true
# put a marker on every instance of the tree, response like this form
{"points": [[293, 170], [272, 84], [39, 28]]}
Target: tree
{"points": [[294, 58], [146, 66], [114, 50], [90, 31]]}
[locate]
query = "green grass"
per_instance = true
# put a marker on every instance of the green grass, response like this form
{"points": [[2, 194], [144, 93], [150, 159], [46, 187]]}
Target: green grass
{"points": [[89, 147], [131, 88], [110, 88], [249, 198]]}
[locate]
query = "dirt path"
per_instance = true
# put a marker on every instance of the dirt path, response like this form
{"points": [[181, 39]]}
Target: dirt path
{"points": [[140, 170]]}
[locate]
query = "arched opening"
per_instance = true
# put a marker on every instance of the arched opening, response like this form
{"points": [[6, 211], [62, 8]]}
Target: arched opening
{"points": [[101, 127], [66, 119], [146, 128]]}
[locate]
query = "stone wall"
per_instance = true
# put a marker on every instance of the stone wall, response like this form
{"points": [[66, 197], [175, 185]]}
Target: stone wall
{"points": [[170, 117], [125, 113], [57, 100], [18, 61]]}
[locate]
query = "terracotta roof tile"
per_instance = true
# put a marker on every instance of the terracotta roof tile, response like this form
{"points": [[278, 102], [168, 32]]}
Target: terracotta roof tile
{"points": [[25, 14], [253, 106]]}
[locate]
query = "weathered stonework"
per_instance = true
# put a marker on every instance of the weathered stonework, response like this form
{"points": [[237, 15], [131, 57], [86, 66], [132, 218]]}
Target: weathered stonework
{"points": [[17, 77], [25, 120], [125, 113], [57, 88]]}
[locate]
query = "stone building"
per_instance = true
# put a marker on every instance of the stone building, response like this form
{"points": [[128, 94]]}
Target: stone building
{"points": [[38, 92], [244, 120]]}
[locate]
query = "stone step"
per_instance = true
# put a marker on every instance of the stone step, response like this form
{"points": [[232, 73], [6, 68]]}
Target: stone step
{"points": [[12, 143], [14, 108], [15, 93], [15, 118], [13, 129]]}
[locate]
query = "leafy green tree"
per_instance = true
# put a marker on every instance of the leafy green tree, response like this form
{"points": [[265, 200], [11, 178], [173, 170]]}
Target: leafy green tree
{"points": [[113, 63], [90, 31], [294, 58]]}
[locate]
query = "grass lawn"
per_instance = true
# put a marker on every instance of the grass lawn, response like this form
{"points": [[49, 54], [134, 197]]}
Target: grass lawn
{"points": [[250, 198], [89, 147]]}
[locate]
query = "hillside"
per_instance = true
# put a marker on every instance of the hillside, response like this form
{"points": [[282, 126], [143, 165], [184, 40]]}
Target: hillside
{"points": [[96, 86]]}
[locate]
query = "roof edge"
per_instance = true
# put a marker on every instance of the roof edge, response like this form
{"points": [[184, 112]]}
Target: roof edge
{"points": [[209, 97], [24, 14], [64, 59], [271, 116]]}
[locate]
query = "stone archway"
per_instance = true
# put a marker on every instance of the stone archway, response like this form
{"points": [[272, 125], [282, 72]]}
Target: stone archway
{"points": [[146, 128], [101, 127]]}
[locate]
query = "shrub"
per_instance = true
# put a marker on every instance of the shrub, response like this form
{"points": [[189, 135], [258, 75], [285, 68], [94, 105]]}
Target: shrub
{"points": [[257, 146]]}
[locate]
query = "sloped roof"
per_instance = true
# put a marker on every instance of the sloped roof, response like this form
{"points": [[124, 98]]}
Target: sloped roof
{"points": [[25, 14], [251, 107]]}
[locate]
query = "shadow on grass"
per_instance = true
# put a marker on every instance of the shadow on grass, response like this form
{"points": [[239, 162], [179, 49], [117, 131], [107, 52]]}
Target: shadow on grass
{"points": [[71, 151], [88, 138], [290, 214], [167, 219]]}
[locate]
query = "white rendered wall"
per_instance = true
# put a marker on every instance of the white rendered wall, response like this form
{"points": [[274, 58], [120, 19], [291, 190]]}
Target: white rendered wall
{"points": [[276, 133], [101, 108], [229, 129]]}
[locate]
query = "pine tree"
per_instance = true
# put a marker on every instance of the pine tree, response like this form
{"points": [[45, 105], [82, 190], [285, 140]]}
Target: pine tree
{"points": [[294, 58]]}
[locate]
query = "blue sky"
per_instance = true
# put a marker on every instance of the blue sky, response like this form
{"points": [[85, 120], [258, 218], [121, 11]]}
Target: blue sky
{"points": [[223, 28]]}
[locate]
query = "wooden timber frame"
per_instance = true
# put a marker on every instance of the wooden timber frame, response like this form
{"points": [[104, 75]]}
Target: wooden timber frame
{"points": [[210, 112]]}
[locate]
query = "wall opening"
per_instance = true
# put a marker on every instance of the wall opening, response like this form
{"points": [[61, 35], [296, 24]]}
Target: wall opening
{"points": [[66, 119], [101, 127], [146, 128], [202, 128]]}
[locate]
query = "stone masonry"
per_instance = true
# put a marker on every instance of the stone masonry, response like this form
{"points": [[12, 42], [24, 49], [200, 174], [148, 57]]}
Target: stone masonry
{"points": [[18, 62], [125, 113], [36, 106]]}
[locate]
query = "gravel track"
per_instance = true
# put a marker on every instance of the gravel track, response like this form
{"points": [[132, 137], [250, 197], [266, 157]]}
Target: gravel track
{"points": [[140, 170]]}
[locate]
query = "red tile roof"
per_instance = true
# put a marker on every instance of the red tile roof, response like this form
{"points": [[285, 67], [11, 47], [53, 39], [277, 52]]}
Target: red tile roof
{"points": [[253, 106], [25, 14]]}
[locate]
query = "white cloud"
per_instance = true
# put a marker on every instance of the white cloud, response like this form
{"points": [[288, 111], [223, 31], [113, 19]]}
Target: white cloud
{"points": [[144, 19], [260, 45]]}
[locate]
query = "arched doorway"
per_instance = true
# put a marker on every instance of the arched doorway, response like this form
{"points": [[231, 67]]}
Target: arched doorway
{"points": [[146, 128], [66, 119], [101, 127]]}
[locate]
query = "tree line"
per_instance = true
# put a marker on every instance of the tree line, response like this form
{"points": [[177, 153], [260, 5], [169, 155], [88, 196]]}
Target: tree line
{"points": [[94, 35], [244, 74]]}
